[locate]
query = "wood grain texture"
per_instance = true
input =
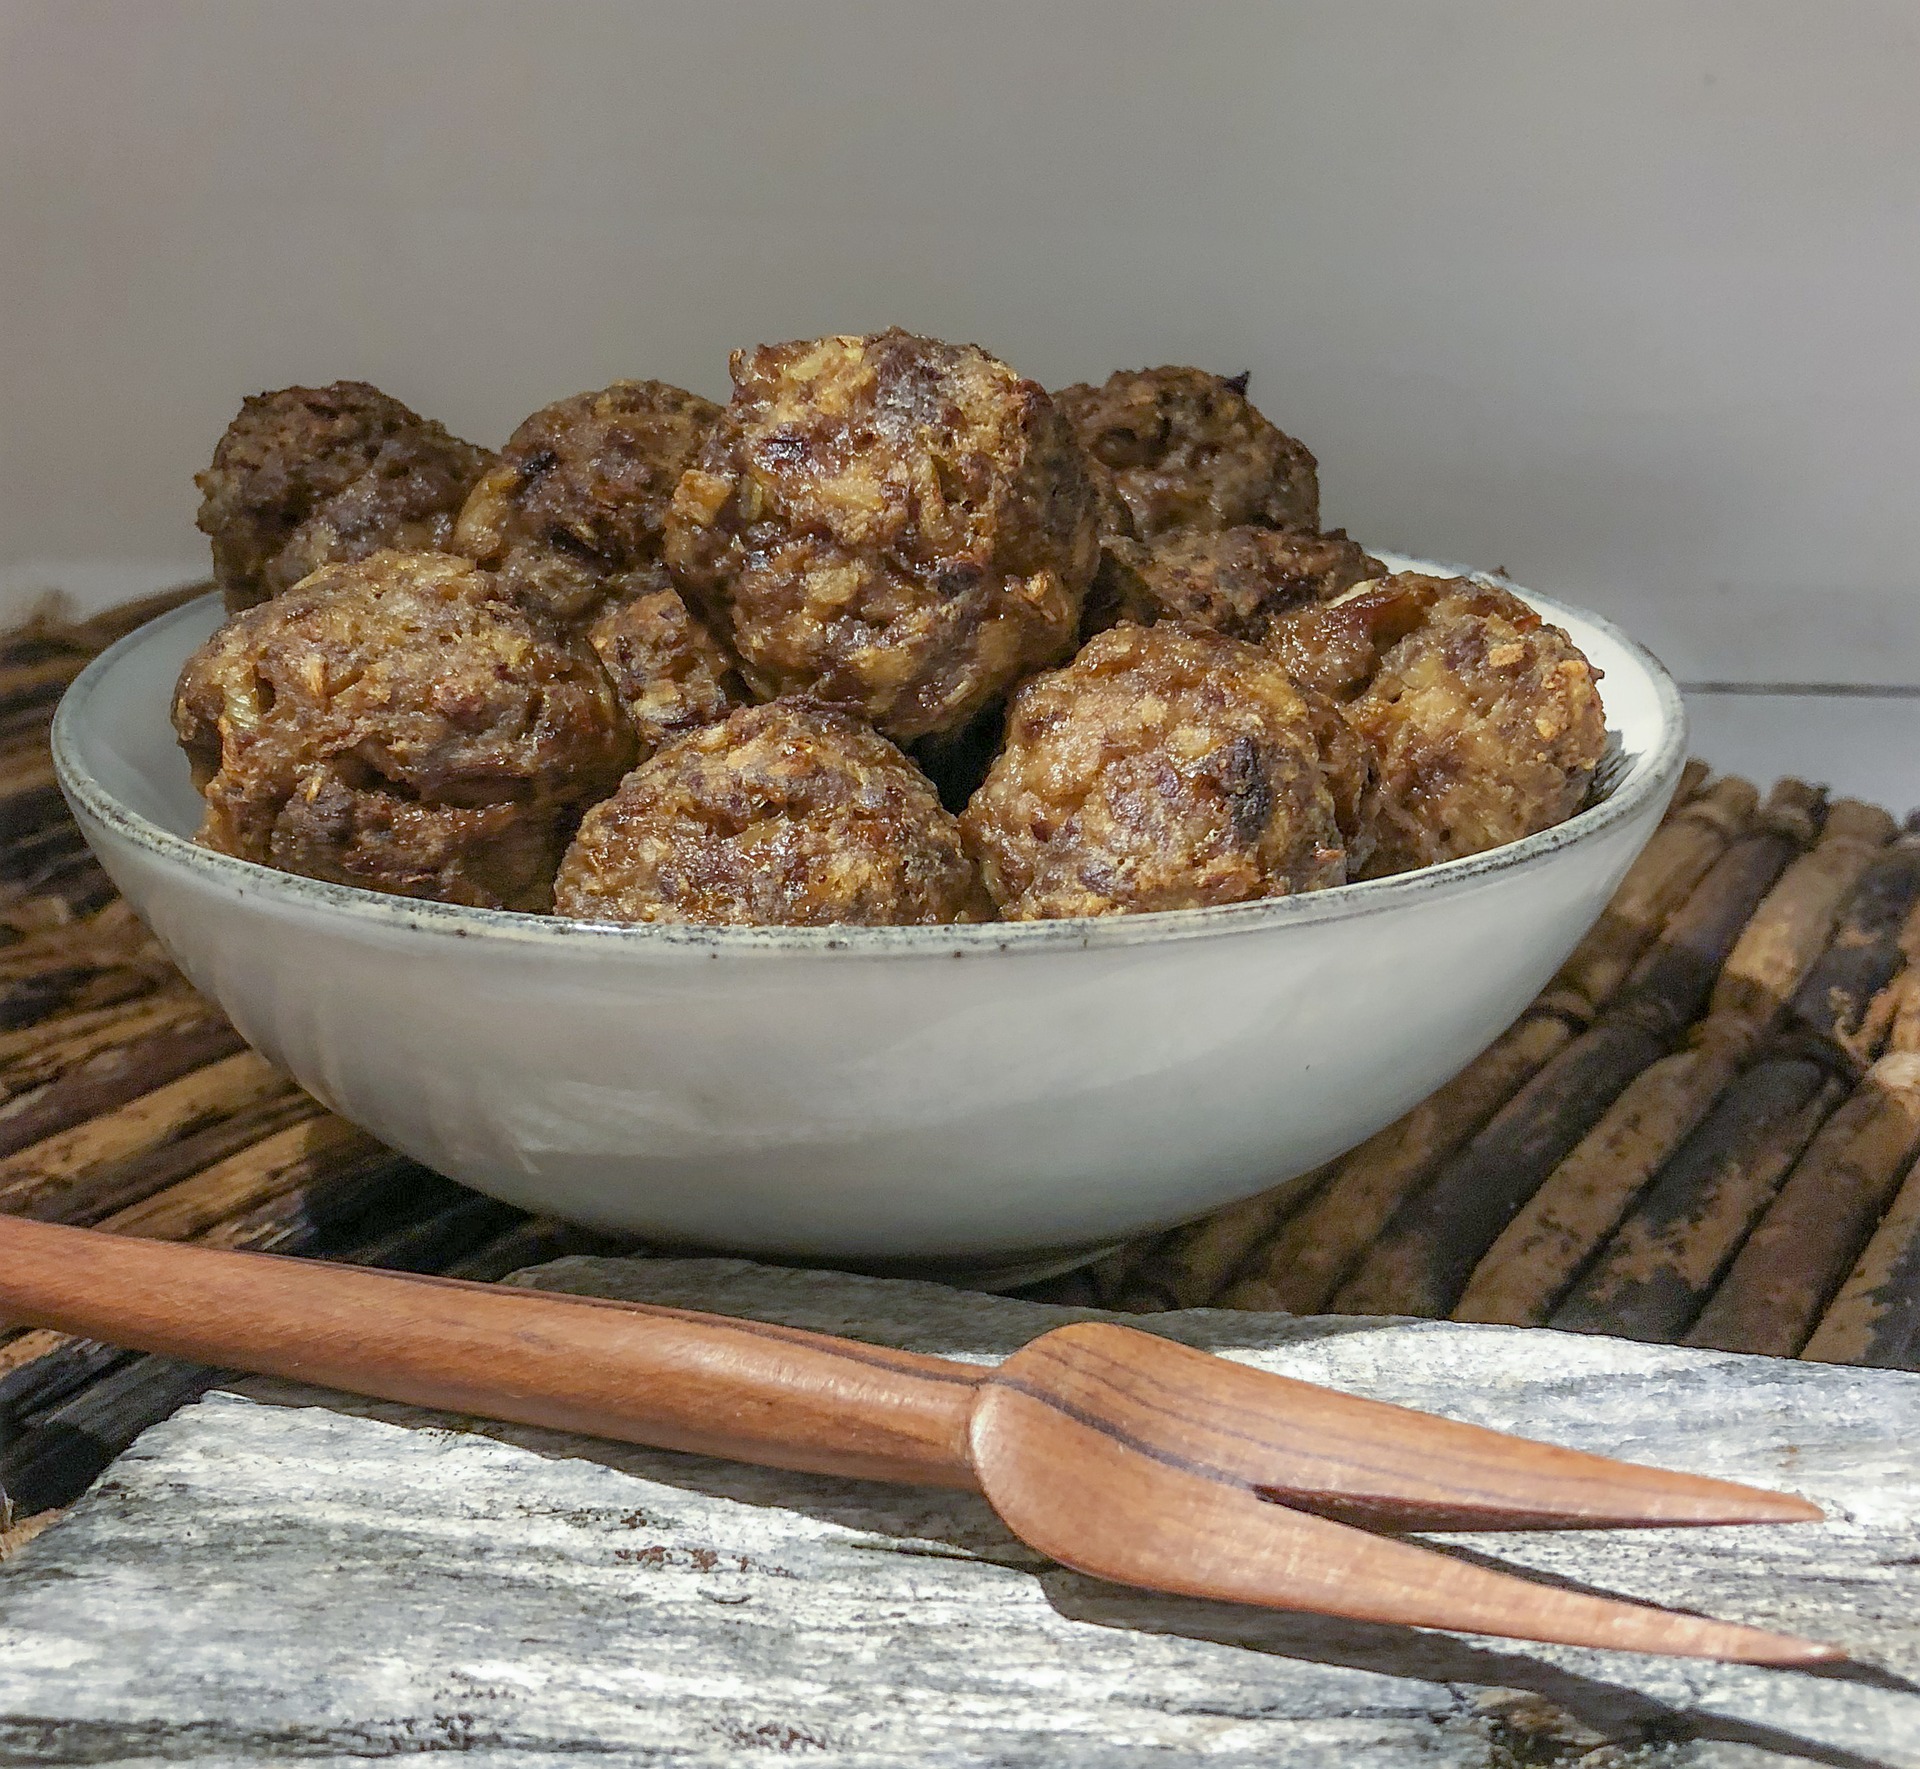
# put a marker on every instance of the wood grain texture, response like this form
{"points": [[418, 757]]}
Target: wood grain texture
{"points": [[1252, 1514], [258, 1583], [673, 1379]]}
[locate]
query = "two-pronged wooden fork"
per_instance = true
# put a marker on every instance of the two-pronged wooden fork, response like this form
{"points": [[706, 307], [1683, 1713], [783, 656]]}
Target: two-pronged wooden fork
{"points": [[1112, 1451]]}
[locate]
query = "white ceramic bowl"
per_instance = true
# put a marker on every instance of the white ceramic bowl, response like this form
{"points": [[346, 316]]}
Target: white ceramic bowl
{"points": [[862, 1094]]}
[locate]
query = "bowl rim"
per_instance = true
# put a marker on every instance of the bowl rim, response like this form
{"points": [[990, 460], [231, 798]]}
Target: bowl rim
{"points": [[1650, 775]]}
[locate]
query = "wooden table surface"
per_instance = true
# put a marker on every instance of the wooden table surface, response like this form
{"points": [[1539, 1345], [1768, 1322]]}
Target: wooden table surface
{"points": [[260, 1583]]}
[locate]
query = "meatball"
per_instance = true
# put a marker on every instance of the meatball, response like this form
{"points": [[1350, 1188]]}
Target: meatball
{"points": [[581, 491], [1166, 767], [671, 674], [888, 523], [1187, 450], [1234, 580], [787, 814], [313, 476], [401, 724], [1483, 723]]}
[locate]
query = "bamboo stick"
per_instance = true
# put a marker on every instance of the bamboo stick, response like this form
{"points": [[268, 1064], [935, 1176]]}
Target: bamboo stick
{"points": [[77, 992], [1821, 1219], [535, 1240], [459, 1231], [114, 1186], [1657, 1272], [24, 861], [1423, 1260], [1109, 1273], [1659, 881], [1302, 1265], [320, 1205], [98, 631], [1655, 1277], [107, 1082], [45, 1368], [1319, 1246], [1562, 1226], [27, 786], [39, 682], [50, 628], [43, 1052], [52, 1463], [30, 998], [1866, 953], [112, 939], [1692, 778], [1190, 1267], [28, 800], [30, 716], [1875, 1318], [35, 1176], [275, 1164]]}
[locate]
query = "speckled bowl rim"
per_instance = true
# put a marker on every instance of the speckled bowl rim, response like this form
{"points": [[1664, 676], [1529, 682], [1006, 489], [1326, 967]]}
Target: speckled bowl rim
{"points": [[1648, 776]]}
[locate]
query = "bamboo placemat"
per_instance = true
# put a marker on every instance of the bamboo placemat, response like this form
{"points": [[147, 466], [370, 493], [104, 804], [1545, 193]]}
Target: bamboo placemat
{"points": [[1704, 1131]]}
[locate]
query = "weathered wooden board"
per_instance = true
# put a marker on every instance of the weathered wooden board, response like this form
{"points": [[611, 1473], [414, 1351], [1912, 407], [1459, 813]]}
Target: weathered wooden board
{"points": [[262, 1583]]}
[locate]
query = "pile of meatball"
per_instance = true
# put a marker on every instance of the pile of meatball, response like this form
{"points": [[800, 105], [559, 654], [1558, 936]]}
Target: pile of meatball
{"points": [[895, 636]]}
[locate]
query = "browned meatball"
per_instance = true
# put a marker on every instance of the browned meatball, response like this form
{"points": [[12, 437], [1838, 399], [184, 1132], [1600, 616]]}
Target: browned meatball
{"points": [[671, 674], [581, 491], [1166, 767], [1187, 450], [789, 814], [313, 476], [888, 523], [1234, 580], [400, 723], [1483, 722]]}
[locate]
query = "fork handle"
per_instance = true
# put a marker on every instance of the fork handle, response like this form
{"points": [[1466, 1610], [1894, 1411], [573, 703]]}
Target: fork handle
{"points": [[747, 1390]]}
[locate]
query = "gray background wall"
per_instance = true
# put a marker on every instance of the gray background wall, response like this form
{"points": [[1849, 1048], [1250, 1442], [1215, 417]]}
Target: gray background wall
{"points": [[1619, 296]]}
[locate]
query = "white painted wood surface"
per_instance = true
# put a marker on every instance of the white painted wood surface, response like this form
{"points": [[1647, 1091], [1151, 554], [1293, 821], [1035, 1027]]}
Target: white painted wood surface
{"points": [[267, 1583], [1863, 746]]}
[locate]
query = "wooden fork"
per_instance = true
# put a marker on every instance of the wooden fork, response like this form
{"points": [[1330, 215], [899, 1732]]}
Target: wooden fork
{"points": [[1112, 1451]]}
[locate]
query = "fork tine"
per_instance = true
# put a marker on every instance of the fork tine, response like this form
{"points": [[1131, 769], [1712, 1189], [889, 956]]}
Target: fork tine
{"points": [[1151, 1464], [1360, 1461], [1111, 1508]]}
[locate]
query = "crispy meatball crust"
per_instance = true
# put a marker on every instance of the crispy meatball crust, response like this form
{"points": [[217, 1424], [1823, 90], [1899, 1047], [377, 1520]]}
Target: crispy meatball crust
{"points": [[401, 724], [581, 492], [670, 672], [1483, 722], [789, 814], [888, 523], [1235, 580], [1166, 767], [1186, 449], [313, 476]]}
